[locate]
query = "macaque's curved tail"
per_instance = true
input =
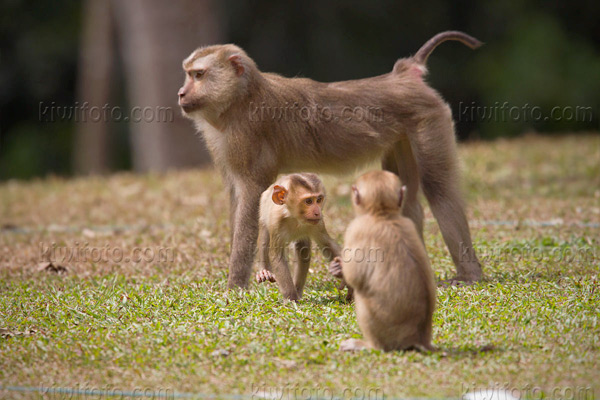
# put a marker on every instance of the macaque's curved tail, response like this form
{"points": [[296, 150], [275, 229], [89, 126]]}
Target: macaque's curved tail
{"points": [[431, 44]]}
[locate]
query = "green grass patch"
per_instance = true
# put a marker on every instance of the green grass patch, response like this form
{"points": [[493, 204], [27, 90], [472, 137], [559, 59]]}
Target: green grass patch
{"points": [[171, 325]]}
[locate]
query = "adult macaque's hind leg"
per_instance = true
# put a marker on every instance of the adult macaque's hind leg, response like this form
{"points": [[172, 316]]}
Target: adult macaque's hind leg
{"points": [[435, 151], [402, 162]]}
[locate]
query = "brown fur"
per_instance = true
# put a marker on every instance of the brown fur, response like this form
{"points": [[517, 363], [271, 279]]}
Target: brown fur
{"points": [[385, 262], [293, 221], [404, 122]]}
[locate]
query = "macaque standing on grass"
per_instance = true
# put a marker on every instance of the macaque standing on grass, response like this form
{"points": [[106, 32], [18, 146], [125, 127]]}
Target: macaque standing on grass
{"points": [[396, 118]]}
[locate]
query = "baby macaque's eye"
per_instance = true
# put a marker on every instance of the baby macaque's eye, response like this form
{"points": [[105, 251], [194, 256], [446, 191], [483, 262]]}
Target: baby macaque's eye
{"points": [[319, 199], [308, 201]]}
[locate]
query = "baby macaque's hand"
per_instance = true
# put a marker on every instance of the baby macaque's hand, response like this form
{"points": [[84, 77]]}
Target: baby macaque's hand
{"points": [[264, 276], [335, 267]]}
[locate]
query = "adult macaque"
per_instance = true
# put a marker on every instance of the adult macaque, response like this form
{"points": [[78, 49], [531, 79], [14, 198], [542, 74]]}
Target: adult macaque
{"points": [[291, 210], [257, 125], [385, 262]]}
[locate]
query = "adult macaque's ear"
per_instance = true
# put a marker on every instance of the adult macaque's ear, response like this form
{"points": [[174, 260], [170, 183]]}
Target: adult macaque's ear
{"points": [[236, 62], [279, 195], [355, 195], [401, 197]]}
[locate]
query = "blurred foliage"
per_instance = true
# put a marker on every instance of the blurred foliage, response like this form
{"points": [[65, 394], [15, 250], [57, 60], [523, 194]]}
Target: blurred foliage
{"points": [[538, 63], [38, 53], [536, 54]]}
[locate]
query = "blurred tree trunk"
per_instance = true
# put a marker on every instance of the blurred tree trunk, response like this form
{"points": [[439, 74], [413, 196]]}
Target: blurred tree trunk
{"points": [[96, 58], [155, 36]]}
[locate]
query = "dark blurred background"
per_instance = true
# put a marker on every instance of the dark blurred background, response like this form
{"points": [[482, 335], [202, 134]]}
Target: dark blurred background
{"points": [[58, 56]]}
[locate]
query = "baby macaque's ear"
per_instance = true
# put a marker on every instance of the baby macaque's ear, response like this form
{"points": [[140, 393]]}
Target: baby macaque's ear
{"points": [[401, 197], [279, 195], [355, 195]]}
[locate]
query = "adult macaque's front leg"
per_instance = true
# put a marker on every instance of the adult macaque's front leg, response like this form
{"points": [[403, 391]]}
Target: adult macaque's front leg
{"points": [[245, 233], [232, 208]]}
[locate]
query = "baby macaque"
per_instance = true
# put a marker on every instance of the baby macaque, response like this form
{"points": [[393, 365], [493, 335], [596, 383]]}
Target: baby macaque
{"points": [[291, 211], [385, 262]]}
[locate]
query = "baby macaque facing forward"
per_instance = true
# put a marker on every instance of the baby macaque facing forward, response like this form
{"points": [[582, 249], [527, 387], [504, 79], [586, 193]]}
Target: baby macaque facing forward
{"points": [[291, 211]]}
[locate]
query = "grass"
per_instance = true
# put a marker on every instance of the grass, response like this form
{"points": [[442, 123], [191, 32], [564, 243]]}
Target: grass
{"points": [[168, 324]]}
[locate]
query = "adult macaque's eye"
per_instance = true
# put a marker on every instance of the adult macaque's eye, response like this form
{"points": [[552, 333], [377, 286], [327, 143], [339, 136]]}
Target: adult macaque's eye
{"points": [[199, 74]]}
